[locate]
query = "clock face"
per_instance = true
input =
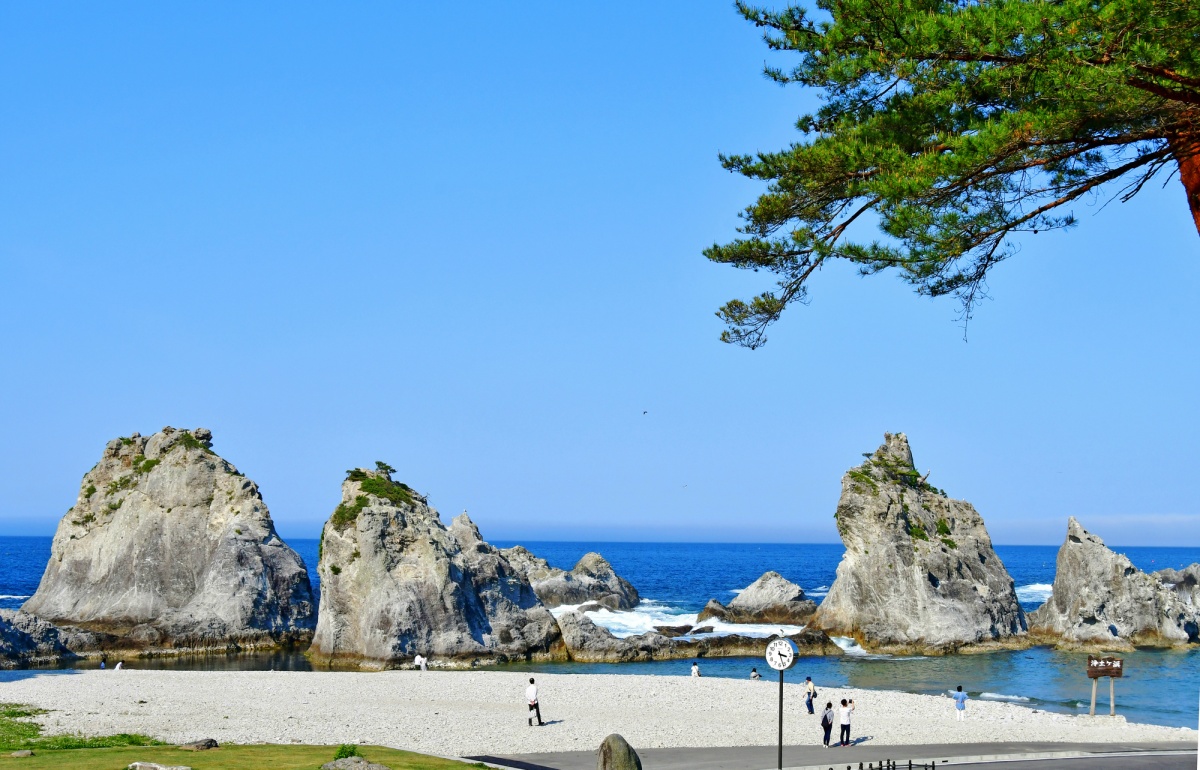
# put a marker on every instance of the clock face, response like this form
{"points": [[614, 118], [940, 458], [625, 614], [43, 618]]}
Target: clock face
{"points": [[781, 654]]}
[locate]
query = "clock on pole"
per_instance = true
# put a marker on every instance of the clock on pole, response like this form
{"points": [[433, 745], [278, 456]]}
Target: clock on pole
{"points": [[781, 654]]}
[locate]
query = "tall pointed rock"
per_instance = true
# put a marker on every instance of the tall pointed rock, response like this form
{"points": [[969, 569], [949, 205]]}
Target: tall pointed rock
{"points": [[170, 549], [395, 583], [1100, 601], [919, 573]]}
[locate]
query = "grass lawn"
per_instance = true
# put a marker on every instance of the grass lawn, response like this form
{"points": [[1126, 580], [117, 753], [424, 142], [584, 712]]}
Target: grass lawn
{"points": [[268, 757], [116, 752]]}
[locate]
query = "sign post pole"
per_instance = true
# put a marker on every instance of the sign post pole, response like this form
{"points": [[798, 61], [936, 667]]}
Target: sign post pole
{"points": [[1111, 668]]}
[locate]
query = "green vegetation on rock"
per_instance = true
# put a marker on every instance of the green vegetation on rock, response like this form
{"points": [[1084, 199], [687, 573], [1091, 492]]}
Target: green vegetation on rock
{"points": [[142, 465], [345, 515], [943, 528], [91, 490], [188, 441], [917, 532], [949, 543], [118, 484]]}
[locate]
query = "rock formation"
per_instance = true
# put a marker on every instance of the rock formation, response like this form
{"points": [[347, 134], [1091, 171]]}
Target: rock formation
{"points": [[170, 549], [770, 599], [615, 753], [395, 582], [1100, 601], [1185, 583], [919, 573], [587, 642], [592, 580], [26, 640]]}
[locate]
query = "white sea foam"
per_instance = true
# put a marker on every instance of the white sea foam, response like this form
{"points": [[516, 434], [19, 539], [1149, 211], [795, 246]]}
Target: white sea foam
{"points": [[1000, 696], [1035, 593], [818, 591], [12, 596], [649, 613], [849, 646]]}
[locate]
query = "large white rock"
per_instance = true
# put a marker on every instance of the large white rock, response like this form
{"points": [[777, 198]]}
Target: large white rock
{"points": [[395, 583], [919, 573], [1100, 601], [770, 599], [169, 548]]}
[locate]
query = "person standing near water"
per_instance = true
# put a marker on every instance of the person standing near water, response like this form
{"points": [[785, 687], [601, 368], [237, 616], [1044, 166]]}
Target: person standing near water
{"points": [[754, 674], [960, 704], [810, 692], [695, 669], [827, 723], [531, 695], [844, 714]]}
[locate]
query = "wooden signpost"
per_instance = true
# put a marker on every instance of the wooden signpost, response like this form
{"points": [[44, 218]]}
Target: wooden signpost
{"points": [[1111, 668]]}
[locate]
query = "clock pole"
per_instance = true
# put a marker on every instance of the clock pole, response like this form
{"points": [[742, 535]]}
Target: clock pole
{"points": [[780, 757]]}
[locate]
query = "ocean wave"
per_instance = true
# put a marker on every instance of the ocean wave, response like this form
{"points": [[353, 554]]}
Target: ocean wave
{"points": [[12, 596], [1000, 696], [1034, 593], [649, 613]]}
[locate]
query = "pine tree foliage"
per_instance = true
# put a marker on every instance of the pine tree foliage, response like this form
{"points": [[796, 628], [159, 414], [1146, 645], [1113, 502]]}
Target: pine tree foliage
{"points": [[958, 127]]}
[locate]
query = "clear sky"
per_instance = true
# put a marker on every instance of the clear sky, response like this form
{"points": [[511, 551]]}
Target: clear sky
{"points": [[466, 240]]}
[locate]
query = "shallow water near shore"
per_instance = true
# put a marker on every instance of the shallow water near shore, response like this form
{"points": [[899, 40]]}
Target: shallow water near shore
{"points": [[676, 579]]}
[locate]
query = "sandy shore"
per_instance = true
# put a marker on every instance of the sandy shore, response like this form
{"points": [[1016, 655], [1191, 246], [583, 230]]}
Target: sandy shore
{"points": [[463, 713]]}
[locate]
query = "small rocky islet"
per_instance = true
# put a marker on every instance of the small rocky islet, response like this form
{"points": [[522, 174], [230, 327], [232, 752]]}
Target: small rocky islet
{"points": [[170, 550]]}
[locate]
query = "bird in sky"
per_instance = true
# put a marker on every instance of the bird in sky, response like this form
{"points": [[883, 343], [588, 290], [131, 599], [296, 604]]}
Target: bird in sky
{"points": [[645, 412]]}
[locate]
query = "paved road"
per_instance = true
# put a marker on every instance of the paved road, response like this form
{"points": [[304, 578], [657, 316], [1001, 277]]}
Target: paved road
{"points": [[762, 757]]}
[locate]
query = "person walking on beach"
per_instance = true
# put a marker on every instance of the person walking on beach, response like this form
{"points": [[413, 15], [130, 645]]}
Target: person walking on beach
{"points": [[754, 674], [695, 669], [844, 714], [420, 661], [827, 723], [531, 695], [960, 704], [810, 692]]}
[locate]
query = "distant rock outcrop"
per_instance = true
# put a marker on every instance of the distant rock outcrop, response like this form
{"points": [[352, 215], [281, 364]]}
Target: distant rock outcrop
{"points": [[592, 580], [1185, 583], [770, 599], [26, 640], [919, 573], [169, 549], [1100, 601], [395, 582], [587, 642]]}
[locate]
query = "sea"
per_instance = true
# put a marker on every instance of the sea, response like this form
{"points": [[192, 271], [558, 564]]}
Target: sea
{"points": [[675, 580]]}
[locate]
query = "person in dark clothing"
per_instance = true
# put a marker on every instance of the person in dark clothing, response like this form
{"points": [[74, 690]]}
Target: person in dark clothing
{"points": [[827, 723]]}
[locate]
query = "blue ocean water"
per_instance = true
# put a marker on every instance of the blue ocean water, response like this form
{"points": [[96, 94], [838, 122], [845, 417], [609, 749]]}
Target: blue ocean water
{"points": [[677, 579]]}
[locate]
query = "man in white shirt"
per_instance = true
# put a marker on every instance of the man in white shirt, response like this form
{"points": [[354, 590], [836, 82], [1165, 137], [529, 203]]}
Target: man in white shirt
{"points": [[695, 668], [844, 717], [531, 695], [420, 661]]}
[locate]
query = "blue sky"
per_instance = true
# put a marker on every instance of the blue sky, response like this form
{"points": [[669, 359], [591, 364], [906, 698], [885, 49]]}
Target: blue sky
{"points": [[469, 244]]}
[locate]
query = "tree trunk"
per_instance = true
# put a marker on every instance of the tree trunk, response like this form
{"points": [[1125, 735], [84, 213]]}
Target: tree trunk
{"points": [[1186, 149]]}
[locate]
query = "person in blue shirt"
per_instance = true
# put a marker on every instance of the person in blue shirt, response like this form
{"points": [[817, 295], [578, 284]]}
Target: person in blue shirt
{"points": [[960, 703]]}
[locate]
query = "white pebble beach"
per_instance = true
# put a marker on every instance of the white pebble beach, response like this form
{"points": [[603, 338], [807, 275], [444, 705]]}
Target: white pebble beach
{"points": [[465, 713]]}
